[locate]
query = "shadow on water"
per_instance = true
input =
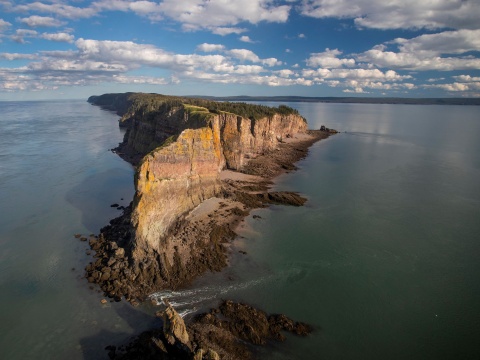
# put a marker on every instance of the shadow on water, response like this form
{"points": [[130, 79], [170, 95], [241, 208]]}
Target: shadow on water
{"points": [[93, 347], [99, 191]]}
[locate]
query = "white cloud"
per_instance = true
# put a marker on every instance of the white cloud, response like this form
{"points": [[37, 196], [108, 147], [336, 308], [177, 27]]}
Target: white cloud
{"points": [[398, 14], [246, 39], [57, 8], [58, 37], [41, 21], [17, 56], [425, 52], [455, 87], [328, 59], [21, 34], [224, 13], [63, 65], [149, 9], [135, 55], [466, 78], [248, 55], [370, 74], [248, 69], [4, 25], [447, 42], [285, 73], [219, 17], [123, 79], [223, 30], [205, 47]]}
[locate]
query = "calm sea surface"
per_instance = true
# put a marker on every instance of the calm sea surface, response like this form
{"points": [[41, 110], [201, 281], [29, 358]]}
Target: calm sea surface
{"points": [[383, 260]]}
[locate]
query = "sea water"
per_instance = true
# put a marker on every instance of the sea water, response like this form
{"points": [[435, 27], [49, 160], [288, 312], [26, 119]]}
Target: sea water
{"points": [[58, 178], [382, 260]]}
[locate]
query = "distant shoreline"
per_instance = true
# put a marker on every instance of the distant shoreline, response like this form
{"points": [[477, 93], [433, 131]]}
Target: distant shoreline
{"points": [[348, 100]]}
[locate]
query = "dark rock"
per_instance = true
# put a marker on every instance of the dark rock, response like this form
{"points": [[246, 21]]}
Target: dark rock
{"points": [[115, 205]]}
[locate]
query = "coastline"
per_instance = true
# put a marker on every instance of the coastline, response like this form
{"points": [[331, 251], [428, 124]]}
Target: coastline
{"points": [[217, 218], [232, 330], [199, 172]]}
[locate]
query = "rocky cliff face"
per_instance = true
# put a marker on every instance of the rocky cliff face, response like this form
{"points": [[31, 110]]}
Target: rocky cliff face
{"points": [[173, 179]]}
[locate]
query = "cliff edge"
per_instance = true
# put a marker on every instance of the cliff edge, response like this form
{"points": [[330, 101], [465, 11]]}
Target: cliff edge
{"points": [[200, 167]]}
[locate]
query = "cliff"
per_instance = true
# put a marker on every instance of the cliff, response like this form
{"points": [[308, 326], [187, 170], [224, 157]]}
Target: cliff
{"points": [[180, 147]]}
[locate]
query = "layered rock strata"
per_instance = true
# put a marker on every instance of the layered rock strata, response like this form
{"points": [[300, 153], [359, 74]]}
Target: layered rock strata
{"points": [[169, 235]]}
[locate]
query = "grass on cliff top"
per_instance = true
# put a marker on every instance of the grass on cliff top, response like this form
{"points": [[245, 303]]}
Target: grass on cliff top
{"points": [[202, 107], [199, 112]]}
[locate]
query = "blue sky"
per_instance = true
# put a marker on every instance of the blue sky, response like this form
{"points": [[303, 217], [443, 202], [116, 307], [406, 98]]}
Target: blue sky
{"points": [[402, 48]]}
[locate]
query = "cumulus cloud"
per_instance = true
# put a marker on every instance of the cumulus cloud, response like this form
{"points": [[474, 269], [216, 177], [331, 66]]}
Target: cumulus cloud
{"points": [[398, 14], [58, 37], [224, 13], [285, 73], [96, 61], [205, 47], [466, 84], [17, 56], [455, 87], [466, 78], [57, 8], [4, 25], [426, 52], [41, 21], [248, 55], [222, 30], [219, 17], [21, 34], [246, 39], [328, 59]]}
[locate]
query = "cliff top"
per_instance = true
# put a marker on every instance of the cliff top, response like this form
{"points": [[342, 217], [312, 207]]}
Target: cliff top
{"points": [[123, 102]]}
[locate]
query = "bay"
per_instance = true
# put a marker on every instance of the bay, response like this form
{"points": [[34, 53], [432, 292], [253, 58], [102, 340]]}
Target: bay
{"points": [[57, 179], [382, 260]]}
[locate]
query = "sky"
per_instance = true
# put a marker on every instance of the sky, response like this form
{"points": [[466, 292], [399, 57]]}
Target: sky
{"points": [[59, 49]]}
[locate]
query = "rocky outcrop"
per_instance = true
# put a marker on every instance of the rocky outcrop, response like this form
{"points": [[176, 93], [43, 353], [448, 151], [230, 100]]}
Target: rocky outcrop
{"points": [[231, 331]]}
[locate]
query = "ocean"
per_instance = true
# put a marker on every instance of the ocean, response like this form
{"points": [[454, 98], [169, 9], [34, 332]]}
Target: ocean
{"points": [[382, 260]]}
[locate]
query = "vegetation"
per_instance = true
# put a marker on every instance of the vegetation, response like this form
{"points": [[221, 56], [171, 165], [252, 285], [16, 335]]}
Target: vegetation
{"points": [[150, 104]]}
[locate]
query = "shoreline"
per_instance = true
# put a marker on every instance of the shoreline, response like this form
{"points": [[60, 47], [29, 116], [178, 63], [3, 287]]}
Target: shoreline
{"points": [[215, 219], [209, 226], [192, 193], [231, 330]]}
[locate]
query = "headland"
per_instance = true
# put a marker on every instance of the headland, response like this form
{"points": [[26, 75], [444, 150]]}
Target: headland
{"points": [[201, 167]]}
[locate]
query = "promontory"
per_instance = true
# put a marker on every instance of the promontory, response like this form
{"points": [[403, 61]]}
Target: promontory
{"points": [[201, 166]]}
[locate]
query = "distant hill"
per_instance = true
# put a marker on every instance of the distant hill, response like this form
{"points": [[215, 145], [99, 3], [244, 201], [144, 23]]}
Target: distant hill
{"points": [[353, 100]]}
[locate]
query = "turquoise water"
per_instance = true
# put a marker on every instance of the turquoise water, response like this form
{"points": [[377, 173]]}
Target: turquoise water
{"points": [[382, 260]]}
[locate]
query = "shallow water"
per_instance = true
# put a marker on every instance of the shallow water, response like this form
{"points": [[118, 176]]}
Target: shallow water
{"points": [[382, 260], [57, 178]]}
